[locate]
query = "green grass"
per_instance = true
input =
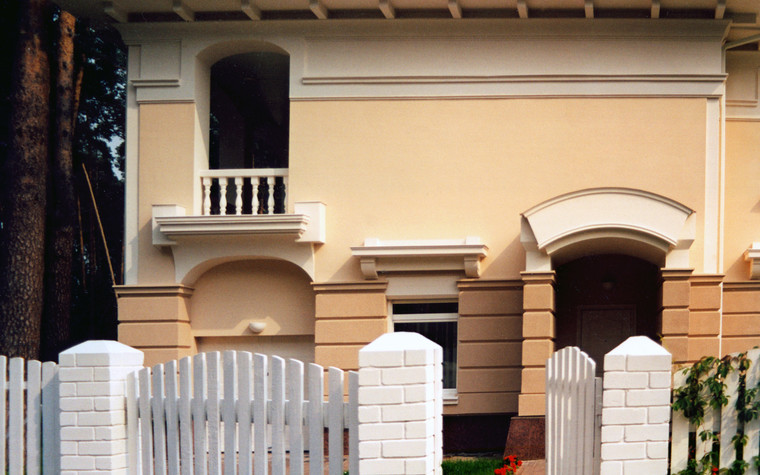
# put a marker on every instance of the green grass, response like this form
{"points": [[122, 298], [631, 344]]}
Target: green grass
{"points": [[479, 466]]}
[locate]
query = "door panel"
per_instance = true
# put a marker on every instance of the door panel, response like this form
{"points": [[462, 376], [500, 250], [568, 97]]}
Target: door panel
{"points": [[604, 328]]}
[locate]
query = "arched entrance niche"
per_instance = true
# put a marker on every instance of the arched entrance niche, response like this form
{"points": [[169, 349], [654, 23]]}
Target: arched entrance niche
{"points": [[257, 305], [593, 271]]}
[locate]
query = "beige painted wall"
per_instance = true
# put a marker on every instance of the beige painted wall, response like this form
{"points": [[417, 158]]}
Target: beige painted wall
{"points": [[742, 197], [166, 177], [434, 169]]}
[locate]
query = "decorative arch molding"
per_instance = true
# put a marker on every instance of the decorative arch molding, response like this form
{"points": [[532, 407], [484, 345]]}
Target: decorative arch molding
{"points": [[222, 49], [605, 220]]}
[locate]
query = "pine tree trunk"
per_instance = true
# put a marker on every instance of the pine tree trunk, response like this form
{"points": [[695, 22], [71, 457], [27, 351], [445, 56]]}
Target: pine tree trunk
{"points": [[61, 212], [22, 236]]}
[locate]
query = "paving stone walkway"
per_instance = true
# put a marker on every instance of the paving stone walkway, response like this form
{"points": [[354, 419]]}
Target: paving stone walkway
{"points": [[532, 467]]}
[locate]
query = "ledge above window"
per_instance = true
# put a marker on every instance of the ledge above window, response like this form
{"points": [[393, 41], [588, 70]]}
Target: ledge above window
{"points": [[752, 255], [378, 256]]}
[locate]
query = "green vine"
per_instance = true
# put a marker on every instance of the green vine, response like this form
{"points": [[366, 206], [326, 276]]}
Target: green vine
{"points": [[705, 387]]}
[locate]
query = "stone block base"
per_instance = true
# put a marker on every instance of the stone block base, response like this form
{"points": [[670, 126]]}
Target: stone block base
{"points": [[526, 438]]}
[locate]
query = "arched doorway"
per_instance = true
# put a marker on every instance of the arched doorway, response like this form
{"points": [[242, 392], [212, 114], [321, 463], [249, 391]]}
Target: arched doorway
{"points": [[566, 235], [601, 300]]}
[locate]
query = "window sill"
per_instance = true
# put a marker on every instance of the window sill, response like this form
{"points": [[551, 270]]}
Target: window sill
{"points": [[450, 400]]}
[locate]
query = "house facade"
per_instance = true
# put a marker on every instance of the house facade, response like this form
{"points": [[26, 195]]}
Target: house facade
{"points": [[507, 178]]}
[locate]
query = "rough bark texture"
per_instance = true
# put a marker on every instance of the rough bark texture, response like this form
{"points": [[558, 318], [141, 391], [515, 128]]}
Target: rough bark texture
{"points": [[62, 202], [22, 236]]}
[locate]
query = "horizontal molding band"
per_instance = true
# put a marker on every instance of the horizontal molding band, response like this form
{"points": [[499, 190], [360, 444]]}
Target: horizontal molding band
{"points": [[338, 80]]}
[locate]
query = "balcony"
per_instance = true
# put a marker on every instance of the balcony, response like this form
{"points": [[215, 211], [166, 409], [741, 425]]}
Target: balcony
{"points": [[243, 216]]}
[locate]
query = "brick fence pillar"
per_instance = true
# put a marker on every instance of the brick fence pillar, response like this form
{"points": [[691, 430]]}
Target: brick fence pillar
{"points": [[92, 406], [636, 408], [400, 405]]}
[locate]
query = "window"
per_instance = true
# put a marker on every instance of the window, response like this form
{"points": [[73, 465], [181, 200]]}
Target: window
{"points": [[436, 321]]}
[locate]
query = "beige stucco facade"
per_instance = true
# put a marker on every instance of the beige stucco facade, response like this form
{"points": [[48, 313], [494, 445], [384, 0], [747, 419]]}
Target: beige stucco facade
{"points": [[463, 162]]}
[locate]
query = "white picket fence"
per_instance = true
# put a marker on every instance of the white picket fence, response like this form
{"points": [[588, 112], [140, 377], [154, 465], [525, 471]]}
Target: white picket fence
{"points": [[195, 416], [573, 414], [29, 424], [723, 421]]}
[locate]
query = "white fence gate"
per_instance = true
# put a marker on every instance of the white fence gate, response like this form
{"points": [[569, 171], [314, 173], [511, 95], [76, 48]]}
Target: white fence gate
{"points": [[573, 414], [29, 423], [195, 416]]}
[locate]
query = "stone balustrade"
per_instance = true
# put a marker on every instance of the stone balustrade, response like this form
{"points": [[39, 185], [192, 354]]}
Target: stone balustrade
{"points": [[244, 191]]}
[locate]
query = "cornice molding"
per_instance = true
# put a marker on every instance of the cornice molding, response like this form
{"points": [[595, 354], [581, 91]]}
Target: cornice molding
{"points": [[349, 287], [153, 291], [283, 224]]}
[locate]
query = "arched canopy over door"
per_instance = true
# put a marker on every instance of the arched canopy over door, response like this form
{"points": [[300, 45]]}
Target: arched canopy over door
{"points": [[604, 221]]}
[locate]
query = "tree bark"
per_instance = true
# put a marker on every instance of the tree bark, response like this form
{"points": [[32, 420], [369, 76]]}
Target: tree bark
{"points": [[61, 212], [22, 236]]}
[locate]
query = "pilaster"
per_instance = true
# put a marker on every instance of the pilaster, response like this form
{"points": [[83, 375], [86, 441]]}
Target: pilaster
{"points": [[349, 315], [155, 319], [705, 310], [538, 340], [675, 291]]}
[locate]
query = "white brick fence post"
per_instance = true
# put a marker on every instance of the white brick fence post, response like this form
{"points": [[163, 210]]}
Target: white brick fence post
{"points": [[400, 405], [92, 405], [636, 408]]}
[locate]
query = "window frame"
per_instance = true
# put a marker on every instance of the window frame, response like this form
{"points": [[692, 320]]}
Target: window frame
{"points": [[450, 395]]}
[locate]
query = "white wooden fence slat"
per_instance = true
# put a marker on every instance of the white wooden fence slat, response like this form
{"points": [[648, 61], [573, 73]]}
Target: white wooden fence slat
{"points": [[278, 416], [588, 384], [710, 420], [598, 392], [213, 409], [228, 412], [335, 418], [260, 421], [146, 431], [295, 416], [172, 417], [564, 409], [33, 416], [573, 417], [3, 410], [245, 395], [752, 428], [316, 420], [50, 419], [199, 413], [728, 420], [551, 413], [679, 449], [133, 426], [184, 406], [159, 426], [353, 422], [16, 417]]}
